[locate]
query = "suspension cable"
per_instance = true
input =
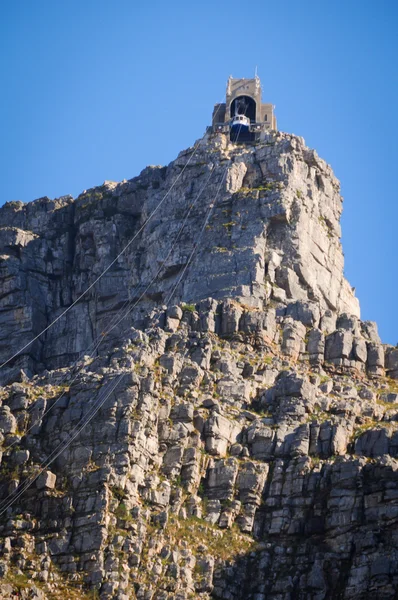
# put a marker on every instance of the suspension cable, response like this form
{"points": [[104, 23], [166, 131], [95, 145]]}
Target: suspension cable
{"points": [[13, 497], [110, 264], [209, 212], [114, 323]]}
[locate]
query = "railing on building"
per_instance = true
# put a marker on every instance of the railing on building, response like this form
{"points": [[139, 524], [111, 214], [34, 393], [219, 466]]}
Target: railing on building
{"points": [[253, 127]]}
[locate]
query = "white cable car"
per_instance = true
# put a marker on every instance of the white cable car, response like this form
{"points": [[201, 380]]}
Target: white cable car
{"points": [[239, 125], [240, 121]]}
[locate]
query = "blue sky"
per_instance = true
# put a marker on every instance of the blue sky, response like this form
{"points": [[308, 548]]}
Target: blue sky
{"points": [[96, 90]]}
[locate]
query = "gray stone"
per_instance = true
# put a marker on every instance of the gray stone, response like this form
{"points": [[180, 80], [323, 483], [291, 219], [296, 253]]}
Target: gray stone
{"points": [[348, 322], [370, 332], [205, 566], [390, 398], [174, 312], [223, 418], [360, 349], [251, 481], [20, 457], [338, 345], [316, 345], [375, 359], [328, 322], [289, 384], [391, 363], [373, 442], [261, 439], [219, 433], [292, 338], [46, 480], [8, 423], [221, 477], [305, 312], [230, 317]]}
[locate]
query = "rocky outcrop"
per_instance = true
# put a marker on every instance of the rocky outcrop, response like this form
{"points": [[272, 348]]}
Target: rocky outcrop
{"points": [[273, 235], [236, 438]]}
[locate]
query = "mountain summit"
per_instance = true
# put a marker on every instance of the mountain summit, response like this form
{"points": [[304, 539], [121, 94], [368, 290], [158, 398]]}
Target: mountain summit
{"points": [[272, 235], [201, 412]]}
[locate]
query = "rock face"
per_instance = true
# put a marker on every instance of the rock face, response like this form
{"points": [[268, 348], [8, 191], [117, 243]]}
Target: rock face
{"points": [[212, 419], [273, 235]]}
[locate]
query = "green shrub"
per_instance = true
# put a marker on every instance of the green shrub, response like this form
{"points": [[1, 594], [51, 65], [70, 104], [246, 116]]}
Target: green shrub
{"points": [[188, 307]]}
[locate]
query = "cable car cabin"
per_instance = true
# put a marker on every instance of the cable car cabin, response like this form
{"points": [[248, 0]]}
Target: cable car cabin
{"points": [[243, 116], [243, 112], [239, 129]]}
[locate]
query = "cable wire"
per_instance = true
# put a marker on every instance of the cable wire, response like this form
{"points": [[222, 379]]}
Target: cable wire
{"points": [[110, 264], [112, 325], [210, 210], [14, 497]]}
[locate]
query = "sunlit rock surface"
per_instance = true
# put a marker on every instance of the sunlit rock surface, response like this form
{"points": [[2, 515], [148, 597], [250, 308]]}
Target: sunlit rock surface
{"points": [[212, 419]]}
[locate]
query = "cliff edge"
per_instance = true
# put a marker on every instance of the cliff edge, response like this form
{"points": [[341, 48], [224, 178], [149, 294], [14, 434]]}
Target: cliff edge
{"points": [[211, 419]]}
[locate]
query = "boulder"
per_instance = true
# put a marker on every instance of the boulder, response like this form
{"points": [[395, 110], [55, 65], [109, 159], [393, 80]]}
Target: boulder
{"points": [[46, 480], [305, 312], [372, 443], [292, 338], [316, 345], [250, 482], [221, 477], [338, 345], [375, 359], [220, 433]]}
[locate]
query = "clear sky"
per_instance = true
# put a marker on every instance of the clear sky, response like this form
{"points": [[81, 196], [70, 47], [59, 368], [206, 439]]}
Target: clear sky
{"points": [[98, 89]]}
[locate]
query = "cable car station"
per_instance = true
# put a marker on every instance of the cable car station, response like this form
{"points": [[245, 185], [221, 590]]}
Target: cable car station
{"points": [[243, 116]]}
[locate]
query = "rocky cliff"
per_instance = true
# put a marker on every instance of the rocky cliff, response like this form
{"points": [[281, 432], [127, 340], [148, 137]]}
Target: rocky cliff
{"points": [[211, 419]]}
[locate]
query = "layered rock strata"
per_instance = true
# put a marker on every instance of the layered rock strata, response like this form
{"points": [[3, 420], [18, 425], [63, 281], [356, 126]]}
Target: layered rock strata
{"points": [[274, 234], [240, 442]]}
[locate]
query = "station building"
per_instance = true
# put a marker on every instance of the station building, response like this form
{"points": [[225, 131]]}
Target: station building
{"points": [[243, 116]]}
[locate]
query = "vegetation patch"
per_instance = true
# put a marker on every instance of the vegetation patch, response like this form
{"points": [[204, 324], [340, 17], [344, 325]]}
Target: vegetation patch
{"points": [[188, 307], [224, 544]]}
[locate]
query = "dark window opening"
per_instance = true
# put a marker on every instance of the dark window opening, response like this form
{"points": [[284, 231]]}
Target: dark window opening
{"points": [[265, 117], [243, 105]]}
